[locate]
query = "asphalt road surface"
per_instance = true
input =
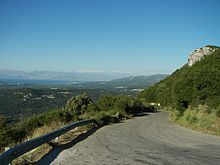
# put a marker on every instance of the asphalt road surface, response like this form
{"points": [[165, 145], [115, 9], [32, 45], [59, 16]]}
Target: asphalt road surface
{"points": [[150, 139]]}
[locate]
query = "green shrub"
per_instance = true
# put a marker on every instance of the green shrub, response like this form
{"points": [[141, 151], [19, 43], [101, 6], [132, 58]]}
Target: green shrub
{"points": [[217, 111], [107, 109], [78, 104], [193, 119], [6, 136]]}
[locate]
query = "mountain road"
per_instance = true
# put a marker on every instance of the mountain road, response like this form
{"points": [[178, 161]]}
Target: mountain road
{"points": [[148, 139]]}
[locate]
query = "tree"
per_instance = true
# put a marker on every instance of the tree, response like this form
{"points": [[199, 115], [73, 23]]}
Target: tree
{"points": [[2, 121], [78, 104]]}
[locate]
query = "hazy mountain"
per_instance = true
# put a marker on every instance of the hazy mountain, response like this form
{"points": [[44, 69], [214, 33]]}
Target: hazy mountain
{"points": [[138, 81], [50, 75], [124, 83]]}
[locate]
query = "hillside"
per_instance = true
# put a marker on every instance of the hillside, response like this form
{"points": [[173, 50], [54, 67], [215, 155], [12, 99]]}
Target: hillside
{"points": [[138, 81], [195, 87], [198, 84], [127, 83]]}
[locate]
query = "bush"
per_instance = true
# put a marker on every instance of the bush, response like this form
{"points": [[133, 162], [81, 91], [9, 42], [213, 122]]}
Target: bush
{"points": [[193, 119], [108, 109], [106, 102], [217, 111], [78, 104], [2, 121]]}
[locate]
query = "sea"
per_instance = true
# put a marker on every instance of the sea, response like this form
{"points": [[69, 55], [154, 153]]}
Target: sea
{"points": [[35, 82]]}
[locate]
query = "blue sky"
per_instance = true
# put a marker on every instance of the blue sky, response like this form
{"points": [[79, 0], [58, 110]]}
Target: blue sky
{"points": [[129, 36]]}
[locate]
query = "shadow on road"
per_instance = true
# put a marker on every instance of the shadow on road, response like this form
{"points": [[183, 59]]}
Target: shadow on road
{"points": [[141, 114], [56, 150]]}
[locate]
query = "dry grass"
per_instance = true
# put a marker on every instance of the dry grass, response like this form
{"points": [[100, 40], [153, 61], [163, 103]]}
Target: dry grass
{"points": [[207, 122], [33, 156], [37, 153]]}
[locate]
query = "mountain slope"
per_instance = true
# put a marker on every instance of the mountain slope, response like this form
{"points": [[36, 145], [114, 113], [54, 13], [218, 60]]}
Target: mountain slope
{"points": [[192, 93], [124, 83], [190, 86], [138, 81]]}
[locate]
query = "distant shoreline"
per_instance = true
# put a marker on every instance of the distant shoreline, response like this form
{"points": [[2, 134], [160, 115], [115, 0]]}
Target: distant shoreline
{"points": [[35, 81]]}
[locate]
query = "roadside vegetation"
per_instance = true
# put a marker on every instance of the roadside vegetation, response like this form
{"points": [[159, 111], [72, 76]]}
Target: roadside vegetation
{"points": [[192, 94], [20, 102], [199, 118], [106, 110]]}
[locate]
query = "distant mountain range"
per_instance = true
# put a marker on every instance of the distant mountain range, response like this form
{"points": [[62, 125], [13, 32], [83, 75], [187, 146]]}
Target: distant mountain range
{"points": [[50, 75], [114, 78], [78, 80], [138, 81], [124, 83]]}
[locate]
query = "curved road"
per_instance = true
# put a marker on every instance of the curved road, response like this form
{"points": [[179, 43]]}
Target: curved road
{"points": [[150, 139]]}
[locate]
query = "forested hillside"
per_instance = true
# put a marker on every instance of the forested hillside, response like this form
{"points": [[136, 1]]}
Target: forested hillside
{"points": [[199, 84], [17, 103], [190, 88]]}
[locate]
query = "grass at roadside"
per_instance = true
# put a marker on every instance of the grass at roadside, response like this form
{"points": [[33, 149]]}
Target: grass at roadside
{"points": [[199, 119], [36, 154]]}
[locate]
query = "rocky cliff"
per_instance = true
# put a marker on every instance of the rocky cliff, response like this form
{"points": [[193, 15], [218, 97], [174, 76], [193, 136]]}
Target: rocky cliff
{"points": [[199, 53]]}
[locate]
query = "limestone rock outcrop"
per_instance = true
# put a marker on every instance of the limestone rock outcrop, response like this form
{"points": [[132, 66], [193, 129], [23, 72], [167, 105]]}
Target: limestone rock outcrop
{"points": [[199, 53]]}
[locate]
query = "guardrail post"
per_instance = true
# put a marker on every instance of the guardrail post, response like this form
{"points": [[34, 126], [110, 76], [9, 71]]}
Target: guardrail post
{"points": [[56, 139], [7, 148]]}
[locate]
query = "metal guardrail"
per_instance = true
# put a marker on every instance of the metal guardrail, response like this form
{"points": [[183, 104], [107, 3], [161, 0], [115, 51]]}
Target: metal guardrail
{"points": [[18, 150]]}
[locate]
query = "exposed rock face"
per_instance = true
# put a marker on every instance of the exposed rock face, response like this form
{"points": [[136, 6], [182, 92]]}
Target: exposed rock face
{"points": [[199, 53]]}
